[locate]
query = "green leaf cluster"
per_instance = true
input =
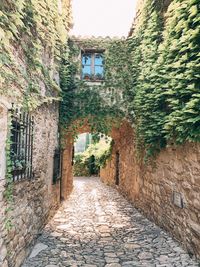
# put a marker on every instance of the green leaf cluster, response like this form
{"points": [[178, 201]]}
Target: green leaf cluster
{"points": [[100, 104], [101, 152], [165, 67], [32, 33]]}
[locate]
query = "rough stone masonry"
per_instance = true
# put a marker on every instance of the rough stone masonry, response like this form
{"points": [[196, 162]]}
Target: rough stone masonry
{"points": [[98, 227], [167, 189], [35, 200]]}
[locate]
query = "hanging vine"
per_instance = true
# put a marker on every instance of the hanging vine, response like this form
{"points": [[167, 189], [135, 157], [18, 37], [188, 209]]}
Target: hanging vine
{"points": [[31, 35], [99, 104], [165, 68]]}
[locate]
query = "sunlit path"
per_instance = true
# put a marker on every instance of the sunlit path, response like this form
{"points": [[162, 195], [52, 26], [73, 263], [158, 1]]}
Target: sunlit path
{"points": [[97, 227]]}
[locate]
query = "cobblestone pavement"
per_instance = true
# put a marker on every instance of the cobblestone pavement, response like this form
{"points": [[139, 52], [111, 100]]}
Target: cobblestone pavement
{"points": [[96, 226]]}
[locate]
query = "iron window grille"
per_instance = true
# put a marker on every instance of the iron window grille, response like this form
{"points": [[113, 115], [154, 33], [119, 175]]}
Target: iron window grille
{"points": [[56, 166], [92, 66], [21, 148]]}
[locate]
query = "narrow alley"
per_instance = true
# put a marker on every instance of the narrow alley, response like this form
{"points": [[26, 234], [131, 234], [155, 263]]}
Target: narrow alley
{"points": [[96, 226]]}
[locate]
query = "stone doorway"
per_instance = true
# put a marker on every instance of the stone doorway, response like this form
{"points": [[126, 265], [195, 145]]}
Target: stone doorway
{"points": [[115, 172], [68, 155]]}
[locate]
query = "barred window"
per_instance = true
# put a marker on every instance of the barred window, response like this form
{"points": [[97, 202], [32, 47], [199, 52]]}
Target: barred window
{"points": [[21, 151]]}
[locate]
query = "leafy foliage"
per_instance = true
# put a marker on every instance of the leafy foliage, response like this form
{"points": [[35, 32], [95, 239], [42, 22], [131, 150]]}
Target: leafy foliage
{"points": [[32, 33], [100, 151], [165, 69], [81, 101], [182, 62]]}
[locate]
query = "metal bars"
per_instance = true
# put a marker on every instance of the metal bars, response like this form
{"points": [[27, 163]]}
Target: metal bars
{"points": [[21, 151]]}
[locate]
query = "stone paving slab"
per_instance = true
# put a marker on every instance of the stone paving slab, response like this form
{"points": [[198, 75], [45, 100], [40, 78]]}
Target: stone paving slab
{"points": [[97, 227]]}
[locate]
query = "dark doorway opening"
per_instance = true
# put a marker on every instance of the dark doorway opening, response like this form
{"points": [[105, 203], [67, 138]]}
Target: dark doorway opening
{"points": [[117, 177]]}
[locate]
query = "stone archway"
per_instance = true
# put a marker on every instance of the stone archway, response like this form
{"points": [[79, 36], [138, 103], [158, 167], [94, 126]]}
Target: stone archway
{"points": [[67, 167], [124, 145]]}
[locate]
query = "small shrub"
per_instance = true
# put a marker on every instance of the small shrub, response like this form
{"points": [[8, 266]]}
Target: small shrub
{"points": [[89, 162]]}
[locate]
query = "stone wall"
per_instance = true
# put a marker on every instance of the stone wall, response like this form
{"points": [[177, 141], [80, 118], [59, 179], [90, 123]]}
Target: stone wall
{"points": [[35, 200], [124, 144], [67, 168], [29, 78], [170, 193], [3, 136], [167, 190]]}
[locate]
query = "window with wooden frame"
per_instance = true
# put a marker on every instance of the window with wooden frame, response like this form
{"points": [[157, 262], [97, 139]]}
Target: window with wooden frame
{"points": [[21, 147], [92, 66]]}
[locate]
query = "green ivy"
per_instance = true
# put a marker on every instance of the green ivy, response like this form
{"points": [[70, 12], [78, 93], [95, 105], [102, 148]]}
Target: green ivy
{"points": [[182, 62], [165, 68], [32, 33], [98, 104]]}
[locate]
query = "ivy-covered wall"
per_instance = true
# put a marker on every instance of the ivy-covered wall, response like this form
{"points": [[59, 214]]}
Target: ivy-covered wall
{"points": [[152, 78], [87, 106], [100, 103], [33, 34], [164, 109], [165, 68]]}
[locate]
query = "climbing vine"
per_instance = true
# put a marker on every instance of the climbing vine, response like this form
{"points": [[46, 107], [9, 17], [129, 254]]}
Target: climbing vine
{"points": [[165, 68], [182, 62], [31, 35], [100, 104]]}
